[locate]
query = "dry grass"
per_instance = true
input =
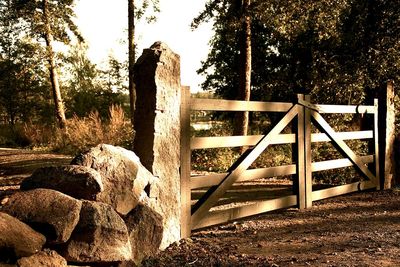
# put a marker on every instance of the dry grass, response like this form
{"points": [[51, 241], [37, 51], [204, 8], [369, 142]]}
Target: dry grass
{"points": [[82, 133]]}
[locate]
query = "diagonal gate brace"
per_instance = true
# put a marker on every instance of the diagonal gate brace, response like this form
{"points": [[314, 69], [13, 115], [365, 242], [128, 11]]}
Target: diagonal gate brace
{"points": [[211, 197], [343, 147]]}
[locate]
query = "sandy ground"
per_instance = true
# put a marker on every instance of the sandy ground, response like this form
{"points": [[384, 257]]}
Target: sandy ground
{"points": [[361, 229]]}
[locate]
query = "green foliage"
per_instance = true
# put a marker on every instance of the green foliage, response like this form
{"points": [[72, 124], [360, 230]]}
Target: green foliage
{"points": [[142, 9], [24, 90], [60, 15], [340, 52], [88, 88]]}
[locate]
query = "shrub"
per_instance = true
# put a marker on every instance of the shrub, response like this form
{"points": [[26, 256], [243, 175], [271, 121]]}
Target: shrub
{"points": [[83, 133]]}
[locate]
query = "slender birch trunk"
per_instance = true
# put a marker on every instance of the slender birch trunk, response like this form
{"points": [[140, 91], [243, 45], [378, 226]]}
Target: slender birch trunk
{"points": [[58, 103]]}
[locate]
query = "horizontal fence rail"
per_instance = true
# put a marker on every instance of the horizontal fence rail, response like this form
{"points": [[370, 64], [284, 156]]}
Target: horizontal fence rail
{"points": [[201, 181], [236, 141], [235, 105], [217, 183]]}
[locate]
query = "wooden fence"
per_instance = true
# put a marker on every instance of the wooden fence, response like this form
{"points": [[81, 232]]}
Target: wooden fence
{"points": [[199, 216]]}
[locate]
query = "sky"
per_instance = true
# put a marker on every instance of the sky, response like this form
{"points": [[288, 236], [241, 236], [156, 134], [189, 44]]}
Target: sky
{"points": [[103, 24]]}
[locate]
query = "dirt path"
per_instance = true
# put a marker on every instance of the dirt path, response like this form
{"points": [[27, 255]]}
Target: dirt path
{"points": [[361, 229], [17, 164], [22, 162]]}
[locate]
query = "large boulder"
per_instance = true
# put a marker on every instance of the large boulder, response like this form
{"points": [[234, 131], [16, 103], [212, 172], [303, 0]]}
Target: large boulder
{"points": [[49, 212], [145, 228], [46, 258], [17, 239], [101, 236], [123, 176], [76, 181]]}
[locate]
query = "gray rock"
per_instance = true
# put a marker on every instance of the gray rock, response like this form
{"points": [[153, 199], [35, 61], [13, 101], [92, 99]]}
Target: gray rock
{"points": [[49, 212], [101, 236], [145, 228], [17, 239], [123, 176], [76, 181], [46, 258]]}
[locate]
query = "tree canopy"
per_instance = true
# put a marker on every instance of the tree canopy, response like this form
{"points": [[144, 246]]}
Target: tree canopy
{"points": [[327, 48]]}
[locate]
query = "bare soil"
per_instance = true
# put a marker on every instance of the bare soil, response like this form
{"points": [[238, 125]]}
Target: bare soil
{"points": [[360, 229]]}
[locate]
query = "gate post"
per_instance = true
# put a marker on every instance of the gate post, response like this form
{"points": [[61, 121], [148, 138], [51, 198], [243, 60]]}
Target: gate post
{"points": [[300, 159], [157, 139], [303, 154], [386, 126], [307, 152], [185, 163]]}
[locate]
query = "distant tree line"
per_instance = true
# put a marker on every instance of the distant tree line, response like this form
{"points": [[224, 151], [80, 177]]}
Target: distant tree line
{"points": [[338, 51]]}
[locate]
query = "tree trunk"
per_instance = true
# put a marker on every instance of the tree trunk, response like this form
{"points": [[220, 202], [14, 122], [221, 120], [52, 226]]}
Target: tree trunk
{"points": [[241, 122], [58, 103], [131, 63]]}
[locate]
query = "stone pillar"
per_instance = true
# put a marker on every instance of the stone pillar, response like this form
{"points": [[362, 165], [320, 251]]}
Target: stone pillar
{"points": [[157, 127]]}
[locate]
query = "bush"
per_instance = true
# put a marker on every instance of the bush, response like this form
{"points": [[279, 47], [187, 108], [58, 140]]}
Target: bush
{"points": [[12, 136]]}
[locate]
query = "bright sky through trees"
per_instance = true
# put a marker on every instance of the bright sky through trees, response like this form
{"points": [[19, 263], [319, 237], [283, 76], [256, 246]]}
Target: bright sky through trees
{"points": [[103, 24]]}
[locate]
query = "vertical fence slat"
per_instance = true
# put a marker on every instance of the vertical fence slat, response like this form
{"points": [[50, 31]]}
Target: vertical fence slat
{"points": [[376, 139], [185, 155], [300, 163], [307, 155]]}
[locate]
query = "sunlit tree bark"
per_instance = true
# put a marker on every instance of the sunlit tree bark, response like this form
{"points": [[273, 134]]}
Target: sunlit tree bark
{"points": [[241, 123], [54, 79]]}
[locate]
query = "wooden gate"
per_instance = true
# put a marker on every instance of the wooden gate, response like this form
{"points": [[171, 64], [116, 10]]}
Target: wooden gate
{"points": [[199, 216]]}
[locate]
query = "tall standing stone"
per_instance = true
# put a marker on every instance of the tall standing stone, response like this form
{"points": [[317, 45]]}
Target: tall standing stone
{"points": [[157, 126]]}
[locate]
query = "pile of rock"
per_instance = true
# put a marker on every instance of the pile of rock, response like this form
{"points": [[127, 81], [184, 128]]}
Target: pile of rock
{"points": [[94, 212]]}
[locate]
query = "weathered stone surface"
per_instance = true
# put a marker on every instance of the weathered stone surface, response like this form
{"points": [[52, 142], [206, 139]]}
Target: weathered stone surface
{"points": [[46, 258], [157, 126], [100, 236], [17, 239], [145, 228], [124, 177], [76, 181], [49, 212]]}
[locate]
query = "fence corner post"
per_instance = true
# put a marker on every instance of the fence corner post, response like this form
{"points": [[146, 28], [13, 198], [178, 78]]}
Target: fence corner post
{"points": [[386, 134], [185, 159]]}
